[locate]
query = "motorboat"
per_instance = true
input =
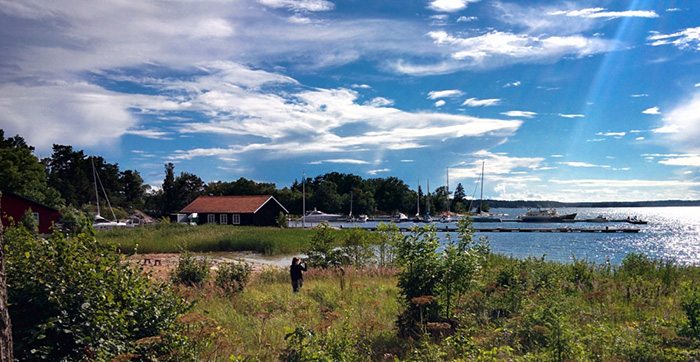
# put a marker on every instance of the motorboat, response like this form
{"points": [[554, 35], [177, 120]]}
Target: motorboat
{"points": [[316, 216], [545, 215], [599, 218]]}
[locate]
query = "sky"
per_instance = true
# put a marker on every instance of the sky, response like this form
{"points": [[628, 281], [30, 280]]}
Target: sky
{"points": [[559, 100]]}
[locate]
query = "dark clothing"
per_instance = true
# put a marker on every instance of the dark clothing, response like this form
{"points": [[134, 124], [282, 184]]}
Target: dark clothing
{"points": [[295, 271]]}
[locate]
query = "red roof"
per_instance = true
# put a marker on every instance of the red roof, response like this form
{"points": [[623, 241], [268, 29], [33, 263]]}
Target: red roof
{"points": [[229, 204]]}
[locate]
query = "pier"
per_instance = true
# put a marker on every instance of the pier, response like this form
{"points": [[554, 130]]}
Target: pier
{"points": [[448, 228]]}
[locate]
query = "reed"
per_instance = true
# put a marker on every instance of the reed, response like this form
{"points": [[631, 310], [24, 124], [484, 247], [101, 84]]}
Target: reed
{"points": [[173, 238]]}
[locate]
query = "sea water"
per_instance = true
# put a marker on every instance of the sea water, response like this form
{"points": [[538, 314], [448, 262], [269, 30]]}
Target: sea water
{"points": [[673, 233]]}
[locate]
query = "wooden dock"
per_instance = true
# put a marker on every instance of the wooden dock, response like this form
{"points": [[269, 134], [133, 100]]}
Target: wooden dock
{"points": [[448, 228]]}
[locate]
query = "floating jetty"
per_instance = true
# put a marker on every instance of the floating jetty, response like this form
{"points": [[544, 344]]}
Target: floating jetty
{"points": [[448, 228]]}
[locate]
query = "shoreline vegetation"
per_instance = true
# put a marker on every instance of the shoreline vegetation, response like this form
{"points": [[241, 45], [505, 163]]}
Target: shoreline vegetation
{"points": [[367, 297]]}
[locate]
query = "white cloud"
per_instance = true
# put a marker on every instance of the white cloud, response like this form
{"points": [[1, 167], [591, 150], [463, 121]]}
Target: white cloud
{"points": [[582, 164], [672, 10], [466, 19], [300, 5], [449, 6], [448, 93], [683, 160], [341, 160], [361, 86], [613, 183], [640, 138], [652, 111], [474, 102], [498, 48], [697, 85], [440, 103], [378, 171], [681, 125], [571, 115], [611, 134], [556, 156], [379, 102], [512, 84], [406, 161], [640, 95], [523, 114], [593, 13], [685, 39], [149, 133]]}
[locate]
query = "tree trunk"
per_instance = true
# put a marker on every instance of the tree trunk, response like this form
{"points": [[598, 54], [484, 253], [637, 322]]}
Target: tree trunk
{"points": [[5, 325]]}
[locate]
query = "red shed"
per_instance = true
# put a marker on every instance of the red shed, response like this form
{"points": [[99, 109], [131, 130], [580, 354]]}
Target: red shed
{"points": [[15, 206], [257, 210]]}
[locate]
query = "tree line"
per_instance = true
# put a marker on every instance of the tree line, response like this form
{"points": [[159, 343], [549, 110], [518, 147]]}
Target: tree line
{"points": [[65, 178]]}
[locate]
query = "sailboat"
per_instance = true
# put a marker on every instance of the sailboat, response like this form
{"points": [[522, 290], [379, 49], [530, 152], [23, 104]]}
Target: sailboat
{"points": [[481, 215], [427, 217], [446, 216], [100, 223]]}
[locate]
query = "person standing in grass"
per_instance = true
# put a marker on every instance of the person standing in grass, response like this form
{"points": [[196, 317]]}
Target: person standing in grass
{"points": [[296, 272]]}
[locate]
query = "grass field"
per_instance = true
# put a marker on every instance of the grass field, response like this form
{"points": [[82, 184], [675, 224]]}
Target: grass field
{"points": [[170, 238], [520, 310]]}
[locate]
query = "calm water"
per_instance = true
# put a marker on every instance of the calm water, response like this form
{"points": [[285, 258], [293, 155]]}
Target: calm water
{"points": [[672, 233]]}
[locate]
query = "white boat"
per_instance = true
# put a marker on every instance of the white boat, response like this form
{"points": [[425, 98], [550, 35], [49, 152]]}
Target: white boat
{"points": [[545, 215], [100, 223], [316, 216], [481, 215], [400, 217]]}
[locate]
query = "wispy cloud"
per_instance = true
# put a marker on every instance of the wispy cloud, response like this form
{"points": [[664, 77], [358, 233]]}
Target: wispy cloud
{"points": [[440, 103], [652, 111], [582, 164], [475, 102], [563, 115], [378, 171], [684, 39], [523, 114], [447, 93], [593, 13], [449, 6], [466, 19], [300, 5], [611, 134], [340, 160], [517, 83], [640, 95], [361, 86]]}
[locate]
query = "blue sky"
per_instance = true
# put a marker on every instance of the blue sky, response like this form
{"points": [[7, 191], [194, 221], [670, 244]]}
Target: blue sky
{"points": [[571, 100]]}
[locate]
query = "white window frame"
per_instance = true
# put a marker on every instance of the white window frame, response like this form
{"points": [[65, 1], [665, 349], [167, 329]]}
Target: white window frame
{"points": [[36, 217], [236, 219], [223, 219], [211, 219]]}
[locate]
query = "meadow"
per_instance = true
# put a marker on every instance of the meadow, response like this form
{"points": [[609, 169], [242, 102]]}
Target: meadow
{"points": [[521, 310]]}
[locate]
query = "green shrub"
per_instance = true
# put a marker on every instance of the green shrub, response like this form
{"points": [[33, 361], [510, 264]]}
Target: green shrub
{"points": [[191, 271], [233, 277], [71, 299], [690, 303]]}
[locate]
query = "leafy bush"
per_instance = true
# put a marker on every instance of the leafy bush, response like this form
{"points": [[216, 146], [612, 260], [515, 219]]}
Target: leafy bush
{"points": [[191, 271], [71, 299], [690, 303], [233, 277]]}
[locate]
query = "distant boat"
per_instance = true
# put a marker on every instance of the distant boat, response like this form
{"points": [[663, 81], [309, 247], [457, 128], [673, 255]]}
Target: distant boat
{"points": [[599, 218], [400, 217], [100, 223], [635, 220], [316, 216], [545, 215], [481, 215], [446, 217]]}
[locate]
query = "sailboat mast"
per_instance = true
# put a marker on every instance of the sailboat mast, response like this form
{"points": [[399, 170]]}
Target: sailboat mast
{"points": [[418, 200], [94, 179], [481, 198], [447, 190], [303, 200], [350, 215], [427, 207]]}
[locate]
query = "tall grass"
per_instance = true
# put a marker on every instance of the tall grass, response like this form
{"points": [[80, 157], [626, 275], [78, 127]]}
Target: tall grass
{"points": [[171, 238], [254, 324]]}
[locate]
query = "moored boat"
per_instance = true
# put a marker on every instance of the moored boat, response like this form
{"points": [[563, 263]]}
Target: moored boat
{"points": [[545, 215]]}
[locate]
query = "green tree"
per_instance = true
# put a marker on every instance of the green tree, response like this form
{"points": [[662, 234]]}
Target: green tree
{"points": [[169, 197], [22, 173], [188, 187], [133, 189], [326, 197]]}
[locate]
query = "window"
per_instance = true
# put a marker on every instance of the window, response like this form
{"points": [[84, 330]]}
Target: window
{"points": [[211, 219], [236, 219], [223, 219], [36, 216]]}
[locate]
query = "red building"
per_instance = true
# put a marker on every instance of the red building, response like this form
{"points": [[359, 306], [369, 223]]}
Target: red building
{"points": [[260, 210], [13, 207]]}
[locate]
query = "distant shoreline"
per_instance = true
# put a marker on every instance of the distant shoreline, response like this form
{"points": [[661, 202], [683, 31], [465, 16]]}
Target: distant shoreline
{"points": [[518, 204]]}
